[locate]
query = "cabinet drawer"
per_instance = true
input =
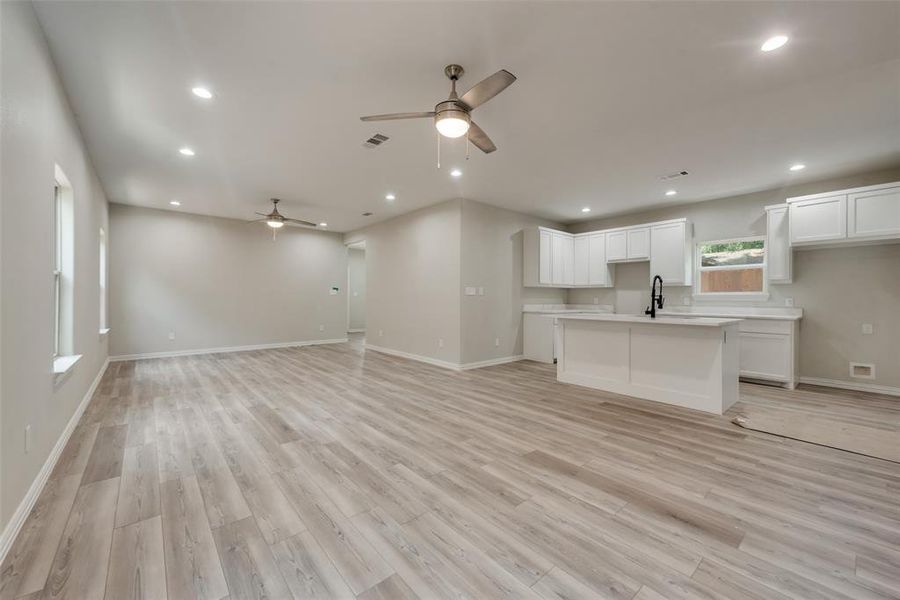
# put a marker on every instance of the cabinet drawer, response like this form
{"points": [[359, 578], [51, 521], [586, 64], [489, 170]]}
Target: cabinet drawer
{"points": [[766, 326]]}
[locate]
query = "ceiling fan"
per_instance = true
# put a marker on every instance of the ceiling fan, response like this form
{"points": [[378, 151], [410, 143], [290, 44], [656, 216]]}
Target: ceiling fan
{"points": [[452, 117], [276, 220]]}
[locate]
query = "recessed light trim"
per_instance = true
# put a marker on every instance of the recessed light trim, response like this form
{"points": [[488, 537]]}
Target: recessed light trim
{"points": [[671, 193], [174, 202], [390, 197], [798, 167], [456, 173], [202, 92], [774, 43], [586, 209], [186, 151]]}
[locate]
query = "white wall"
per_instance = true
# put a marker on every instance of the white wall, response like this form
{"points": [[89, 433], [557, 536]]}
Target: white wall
{"points": [[412, 282], [220, 283], [492, 258], [37, 132], [839, 289], [356, 289]]}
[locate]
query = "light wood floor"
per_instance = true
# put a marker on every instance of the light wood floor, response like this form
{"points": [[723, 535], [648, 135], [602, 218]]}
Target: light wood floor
{"points": [[326, 472]]}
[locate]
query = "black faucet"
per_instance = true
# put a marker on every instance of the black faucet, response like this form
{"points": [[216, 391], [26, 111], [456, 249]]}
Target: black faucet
{"points": [[655, 301]]}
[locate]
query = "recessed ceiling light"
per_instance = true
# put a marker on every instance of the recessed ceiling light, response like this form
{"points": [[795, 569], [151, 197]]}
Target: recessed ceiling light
{"points": [[390, 197], [774, 43], [202, 92], [323, 224], [797, 167], [586, 209], [187, 152], [671, 193], [174, 202], [456, 173]]}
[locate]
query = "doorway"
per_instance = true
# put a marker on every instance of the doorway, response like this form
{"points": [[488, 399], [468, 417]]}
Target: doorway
{"points": [[356, 289]]}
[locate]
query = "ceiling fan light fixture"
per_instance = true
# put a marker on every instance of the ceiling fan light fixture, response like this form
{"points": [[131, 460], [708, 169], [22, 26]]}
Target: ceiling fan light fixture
{"points": [[275, 223], [452, 122]]}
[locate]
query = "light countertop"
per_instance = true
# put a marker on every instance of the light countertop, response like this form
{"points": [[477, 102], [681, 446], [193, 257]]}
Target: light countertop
{"points": [[776, 313], [660, 320]]}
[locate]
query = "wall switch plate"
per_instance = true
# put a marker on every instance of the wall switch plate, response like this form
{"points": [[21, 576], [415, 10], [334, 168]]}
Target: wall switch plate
{"points": [[789, 302], [470, 291], [27, 439], [440, 342], [497, 342], [867, 329], [171, 335], [321, 328], [481, 291]]}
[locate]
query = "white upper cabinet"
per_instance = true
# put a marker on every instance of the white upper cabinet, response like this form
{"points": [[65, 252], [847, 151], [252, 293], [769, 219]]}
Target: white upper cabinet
{"points": [[600, 273], [617, 246], [874, 213], [582, 260], [856, 216], [779, 258], [670, 252], [638, 243], [818, 220], [545, 258], [548, 258]]}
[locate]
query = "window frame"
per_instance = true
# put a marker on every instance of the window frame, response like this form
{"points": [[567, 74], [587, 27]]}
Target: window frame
{"points": [[104, 281], [57, 267], [737, 296]]}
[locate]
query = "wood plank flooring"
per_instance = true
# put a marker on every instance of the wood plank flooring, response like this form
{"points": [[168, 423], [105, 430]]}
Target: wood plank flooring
{"points": [[328, 472]]}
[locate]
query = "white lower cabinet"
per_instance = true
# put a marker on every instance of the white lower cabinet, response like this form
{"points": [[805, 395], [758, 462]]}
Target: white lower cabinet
{"points": [[769, 350], [539, 337]]}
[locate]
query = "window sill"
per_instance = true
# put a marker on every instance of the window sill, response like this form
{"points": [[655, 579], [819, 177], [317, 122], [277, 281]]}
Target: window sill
{"points": [[62, 366], [732, 297], [104, 331]]}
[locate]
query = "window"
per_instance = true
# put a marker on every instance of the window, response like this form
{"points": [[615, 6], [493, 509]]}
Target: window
{"points": [[57, 267], [734, 268], [63, 270], [103, 275]]}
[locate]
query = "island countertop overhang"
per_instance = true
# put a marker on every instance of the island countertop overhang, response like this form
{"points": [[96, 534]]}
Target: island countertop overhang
{"points": [[641, 319]]}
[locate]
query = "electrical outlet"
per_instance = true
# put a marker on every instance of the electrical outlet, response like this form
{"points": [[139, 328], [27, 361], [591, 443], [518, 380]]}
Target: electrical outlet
{"points": [[497, 342], [867, 329], [481, 291], [171, 335], [789, 302], [27, 439], [440, 342], [321, 328]]}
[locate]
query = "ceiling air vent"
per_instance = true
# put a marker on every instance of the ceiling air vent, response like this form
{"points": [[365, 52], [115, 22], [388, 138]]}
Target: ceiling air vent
{"points": [[673, 175], [375, 141]]}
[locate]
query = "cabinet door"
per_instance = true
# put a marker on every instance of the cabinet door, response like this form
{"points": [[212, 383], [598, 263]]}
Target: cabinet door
{"points": [[818, 220], [667, 253], [874, 214], [616, 246], [568, 244], [599, 273], [778, 245], [557, 259], [545, 252], [582, 260], [765, 356], [638, 243]]}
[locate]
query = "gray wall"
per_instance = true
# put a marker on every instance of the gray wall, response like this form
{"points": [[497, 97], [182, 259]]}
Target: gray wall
{"points": [[412, 282], [839, 289], [220, 283], [37, 131], [492, 258], [356, 288]]}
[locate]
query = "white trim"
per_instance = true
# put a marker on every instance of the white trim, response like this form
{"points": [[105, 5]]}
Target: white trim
{"points": [[363, 330], [443, 363], [223, 349], [37, 486], [491, 362], [852, 385], [418, 357]]}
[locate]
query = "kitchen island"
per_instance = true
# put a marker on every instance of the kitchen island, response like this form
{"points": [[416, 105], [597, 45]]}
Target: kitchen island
{"points": [[683, 361]]}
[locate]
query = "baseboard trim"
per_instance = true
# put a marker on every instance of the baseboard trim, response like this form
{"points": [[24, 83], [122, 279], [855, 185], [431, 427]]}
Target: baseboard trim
{"points": [[444, 363], [37, 486], [223, 349], [491, 362], [356, 331], [858, 386]]}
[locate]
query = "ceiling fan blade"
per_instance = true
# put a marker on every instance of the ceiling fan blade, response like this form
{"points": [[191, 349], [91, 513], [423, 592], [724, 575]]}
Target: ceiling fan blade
{"points": [[261, 214], [299, 222], [396, 116], [487, 88], [480, 139], [255, 220]]}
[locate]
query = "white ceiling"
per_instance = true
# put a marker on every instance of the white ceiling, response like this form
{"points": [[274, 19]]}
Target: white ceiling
{"points": [[610, 96]]}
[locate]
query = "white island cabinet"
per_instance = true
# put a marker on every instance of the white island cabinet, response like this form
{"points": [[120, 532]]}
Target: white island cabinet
{"points": [[687, 362]]}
